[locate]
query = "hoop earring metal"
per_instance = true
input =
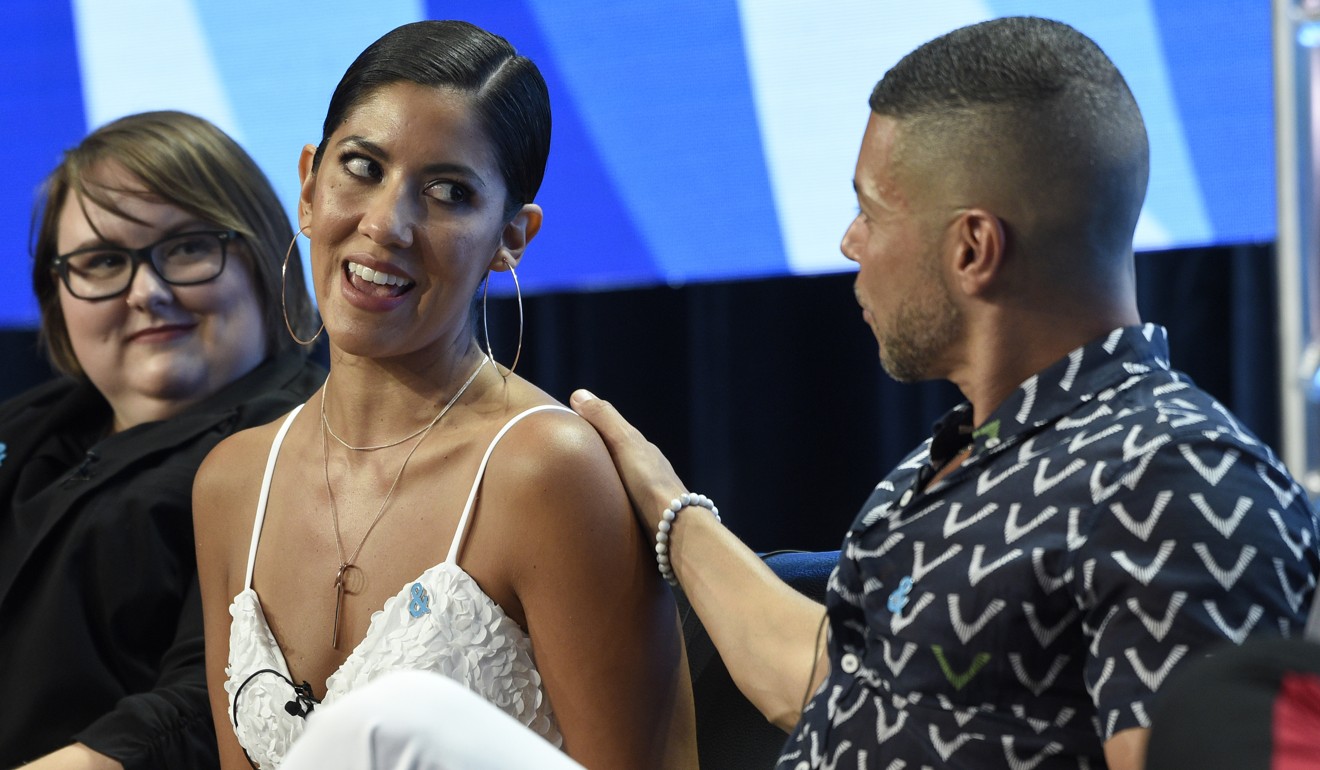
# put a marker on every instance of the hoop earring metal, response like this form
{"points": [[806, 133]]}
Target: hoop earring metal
{"points": [[485, 326], [284, 301]]}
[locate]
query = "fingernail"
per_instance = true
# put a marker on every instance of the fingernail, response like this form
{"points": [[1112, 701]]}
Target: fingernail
{"points": [[582, 395]]}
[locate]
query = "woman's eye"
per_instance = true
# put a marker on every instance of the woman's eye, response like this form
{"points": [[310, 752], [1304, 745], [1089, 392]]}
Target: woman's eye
{"points": [[365, 168], [105, 261], [449, 192]]}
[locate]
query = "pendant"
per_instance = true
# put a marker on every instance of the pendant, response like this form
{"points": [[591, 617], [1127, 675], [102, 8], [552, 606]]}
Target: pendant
{"points": [[339, 603]]}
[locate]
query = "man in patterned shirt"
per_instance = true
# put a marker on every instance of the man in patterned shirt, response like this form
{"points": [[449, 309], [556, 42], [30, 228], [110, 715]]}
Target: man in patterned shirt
{"points": [[1015, 593]]}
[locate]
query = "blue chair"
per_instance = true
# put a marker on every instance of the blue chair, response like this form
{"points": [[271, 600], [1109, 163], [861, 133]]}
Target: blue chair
{"points": [[731, 733]]}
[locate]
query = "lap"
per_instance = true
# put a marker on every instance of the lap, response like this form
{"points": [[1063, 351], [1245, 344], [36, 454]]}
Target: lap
{"points": [[413, 720]]}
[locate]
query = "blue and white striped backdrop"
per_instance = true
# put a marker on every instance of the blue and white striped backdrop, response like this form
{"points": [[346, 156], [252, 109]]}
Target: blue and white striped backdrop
{"points": [[694, 139]]}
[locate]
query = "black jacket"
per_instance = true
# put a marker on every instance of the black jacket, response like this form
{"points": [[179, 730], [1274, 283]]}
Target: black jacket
{"points": [[100, 616]]}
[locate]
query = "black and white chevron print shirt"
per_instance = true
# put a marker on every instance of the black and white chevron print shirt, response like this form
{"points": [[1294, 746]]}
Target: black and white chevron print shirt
{"points": [[1112, 522]]}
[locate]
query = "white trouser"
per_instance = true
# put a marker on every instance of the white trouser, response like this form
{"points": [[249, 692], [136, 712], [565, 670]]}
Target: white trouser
{"points": [[416, 720]]}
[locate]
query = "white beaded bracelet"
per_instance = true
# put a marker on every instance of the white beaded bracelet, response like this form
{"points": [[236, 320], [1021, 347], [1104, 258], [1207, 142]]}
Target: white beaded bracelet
{"points": [[667, 518]]}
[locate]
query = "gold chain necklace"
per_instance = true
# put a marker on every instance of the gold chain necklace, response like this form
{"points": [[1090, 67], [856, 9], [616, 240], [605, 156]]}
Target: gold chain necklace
{"points": [[325, 422], [344, 564]]}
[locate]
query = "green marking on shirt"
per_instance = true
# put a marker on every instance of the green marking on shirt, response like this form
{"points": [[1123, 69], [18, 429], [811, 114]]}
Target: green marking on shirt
{"points": [[990, 430], [960, 681]]}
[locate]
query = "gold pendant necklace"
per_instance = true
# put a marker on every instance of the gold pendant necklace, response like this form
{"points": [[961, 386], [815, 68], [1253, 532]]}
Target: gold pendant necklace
{"points": [[346, 564]]}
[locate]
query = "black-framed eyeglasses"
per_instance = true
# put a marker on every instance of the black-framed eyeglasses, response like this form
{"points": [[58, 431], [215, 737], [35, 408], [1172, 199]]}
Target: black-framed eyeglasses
{"points": [[185, 259]]}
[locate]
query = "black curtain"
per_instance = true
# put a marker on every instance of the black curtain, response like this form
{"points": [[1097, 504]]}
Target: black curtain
{"points": [[768, 395]]}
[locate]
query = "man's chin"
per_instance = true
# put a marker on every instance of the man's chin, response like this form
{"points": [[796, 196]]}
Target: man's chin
{"points": [[905, 371]]}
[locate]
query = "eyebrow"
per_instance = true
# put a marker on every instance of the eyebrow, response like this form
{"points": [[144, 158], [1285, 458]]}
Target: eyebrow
{"points": [[363, 143]]}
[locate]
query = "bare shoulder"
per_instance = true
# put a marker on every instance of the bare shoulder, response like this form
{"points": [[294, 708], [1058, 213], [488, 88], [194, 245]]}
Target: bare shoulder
{"points": [[553, 449], [228, 480], [235, 457]]}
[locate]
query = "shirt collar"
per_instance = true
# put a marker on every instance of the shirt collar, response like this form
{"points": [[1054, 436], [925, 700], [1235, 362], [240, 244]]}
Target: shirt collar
{"points": [[1083, 374]]}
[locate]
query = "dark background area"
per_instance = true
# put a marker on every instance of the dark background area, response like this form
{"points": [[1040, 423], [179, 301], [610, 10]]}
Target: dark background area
{"points": [[768, 395]]}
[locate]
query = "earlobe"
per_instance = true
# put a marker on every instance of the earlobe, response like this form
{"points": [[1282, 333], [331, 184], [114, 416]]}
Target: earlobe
{"points": [[504, 260]]}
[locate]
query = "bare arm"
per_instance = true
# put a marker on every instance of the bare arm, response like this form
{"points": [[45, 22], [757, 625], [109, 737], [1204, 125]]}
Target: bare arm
{"points": [[604, 629], [214, 527], [74, 757], [1127, 749], [766, 632]]}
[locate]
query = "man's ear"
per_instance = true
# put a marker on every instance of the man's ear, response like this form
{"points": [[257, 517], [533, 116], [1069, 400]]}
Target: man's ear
{"points": [[517, 233], [307, 185], [979, 244]]}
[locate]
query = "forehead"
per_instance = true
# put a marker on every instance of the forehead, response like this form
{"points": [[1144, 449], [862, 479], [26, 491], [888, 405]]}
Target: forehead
{"points": [[132, 216], [434, 124], [875, 176]]}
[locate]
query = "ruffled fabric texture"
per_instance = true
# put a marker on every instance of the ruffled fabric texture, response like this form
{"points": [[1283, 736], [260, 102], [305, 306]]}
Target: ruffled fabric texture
{"points": [[463, 635], [258, 677]]}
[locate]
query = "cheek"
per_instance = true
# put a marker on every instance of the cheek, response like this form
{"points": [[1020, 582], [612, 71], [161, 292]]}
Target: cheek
{"points": [[231, 300], [89, 323], [334, 204]]}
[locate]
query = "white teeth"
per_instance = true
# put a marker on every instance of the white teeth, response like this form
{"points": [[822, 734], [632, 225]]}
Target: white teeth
{"points": [[375, 276]]}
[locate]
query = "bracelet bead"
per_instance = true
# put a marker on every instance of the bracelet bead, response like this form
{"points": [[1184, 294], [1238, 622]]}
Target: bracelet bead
{"points": [[668, 517]]}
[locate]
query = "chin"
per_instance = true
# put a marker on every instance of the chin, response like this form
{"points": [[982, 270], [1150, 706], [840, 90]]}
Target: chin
{"points": [[177, 388], [189, 379]]}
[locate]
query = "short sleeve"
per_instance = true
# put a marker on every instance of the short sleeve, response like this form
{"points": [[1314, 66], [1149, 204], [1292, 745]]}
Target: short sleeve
{"points": [[1196, 540]]}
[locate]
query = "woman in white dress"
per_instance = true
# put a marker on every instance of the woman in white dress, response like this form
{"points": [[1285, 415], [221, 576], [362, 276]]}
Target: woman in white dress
{"points": [[429, 509]]}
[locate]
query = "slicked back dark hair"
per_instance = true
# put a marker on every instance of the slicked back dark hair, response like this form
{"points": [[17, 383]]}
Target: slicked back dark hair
{"points": [[507, 92]]}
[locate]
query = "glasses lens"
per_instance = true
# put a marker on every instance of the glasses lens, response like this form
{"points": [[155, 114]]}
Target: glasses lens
{"points": [[96, 274], [189, 258]]}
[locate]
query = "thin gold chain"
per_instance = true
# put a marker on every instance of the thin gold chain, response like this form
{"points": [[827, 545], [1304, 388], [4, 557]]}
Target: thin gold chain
{"points": [[344, 564]]}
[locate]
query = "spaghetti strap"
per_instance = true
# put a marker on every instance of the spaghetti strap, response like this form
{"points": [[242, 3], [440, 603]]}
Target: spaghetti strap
{"points": [[265, 492], [481, 472]]}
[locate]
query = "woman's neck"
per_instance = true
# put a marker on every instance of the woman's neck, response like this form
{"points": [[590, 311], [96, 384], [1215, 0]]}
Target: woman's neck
{"points": [[371, 402]]}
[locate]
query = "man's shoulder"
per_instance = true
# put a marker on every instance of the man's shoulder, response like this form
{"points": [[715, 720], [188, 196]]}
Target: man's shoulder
{"points": [[1155, 433], [1148, 412]]}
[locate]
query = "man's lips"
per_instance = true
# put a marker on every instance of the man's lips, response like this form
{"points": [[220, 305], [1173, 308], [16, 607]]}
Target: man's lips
{"points": [[163, 331]]}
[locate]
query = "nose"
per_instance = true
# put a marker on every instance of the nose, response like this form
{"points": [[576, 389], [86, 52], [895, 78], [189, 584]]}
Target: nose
{"points": [[389, 217], [147, 290], [850, 239]]}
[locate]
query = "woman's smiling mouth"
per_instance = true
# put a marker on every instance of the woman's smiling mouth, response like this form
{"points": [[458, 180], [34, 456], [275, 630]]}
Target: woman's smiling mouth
{"points": [[376, 282]]}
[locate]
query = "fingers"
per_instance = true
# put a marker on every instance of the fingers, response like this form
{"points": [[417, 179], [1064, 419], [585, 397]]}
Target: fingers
{"points": [[603, 417], [645, 471]]}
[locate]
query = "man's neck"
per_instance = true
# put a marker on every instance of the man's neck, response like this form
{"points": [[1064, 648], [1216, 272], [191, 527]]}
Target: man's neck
{"points": [[1017, 346]]}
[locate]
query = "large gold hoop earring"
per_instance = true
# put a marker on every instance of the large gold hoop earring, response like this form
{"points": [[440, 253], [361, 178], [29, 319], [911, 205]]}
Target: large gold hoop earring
{"points": [[517, 289], [284, 301]]}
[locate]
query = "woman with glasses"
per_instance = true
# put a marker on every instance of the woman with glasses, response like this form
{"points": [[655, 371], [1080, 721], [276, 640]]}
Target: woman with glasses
{"points": [[428, 509], [157, 269]]}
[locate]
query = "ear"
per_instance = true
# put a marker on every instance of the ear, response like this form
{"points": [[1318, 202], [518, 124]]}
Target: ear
{"points": [[307, 185], [978, 243], [518, 232]]}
